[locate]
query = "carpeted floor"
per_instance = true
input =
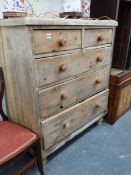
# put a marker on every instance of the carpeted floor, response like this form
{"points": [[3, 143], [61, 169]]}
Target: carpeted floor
{"points": [[100, 150]]}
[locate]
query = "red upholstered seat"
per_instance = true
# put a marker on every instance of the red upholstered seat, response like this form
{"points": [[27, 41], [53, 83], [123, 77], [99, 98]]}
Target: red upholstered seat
{"points": [[16, 140], [13, 140]]}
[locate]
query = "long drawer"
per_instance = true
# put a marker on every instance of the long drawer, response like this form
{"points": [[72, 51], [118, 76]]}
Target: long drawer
{"points": [[56, 98], [45, 41], [97, 37], [66, 122], [53, 69]]}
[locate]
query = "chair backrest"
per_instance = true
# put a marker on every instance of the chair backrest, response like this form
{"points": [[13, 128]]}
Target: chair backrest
{"points": [[2, 85]]}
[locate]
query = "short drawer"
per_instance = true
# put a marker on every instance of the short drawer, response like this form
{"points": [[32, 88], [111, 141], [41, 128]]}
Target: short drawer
{"points": [[53, 69], [45, 41], [97, 37], [66, 122], [56, 98]]}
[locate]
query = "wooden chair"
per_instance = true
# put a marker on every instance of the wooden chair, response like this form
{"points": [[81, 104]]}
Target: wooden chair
{"points": [[16, 140]]}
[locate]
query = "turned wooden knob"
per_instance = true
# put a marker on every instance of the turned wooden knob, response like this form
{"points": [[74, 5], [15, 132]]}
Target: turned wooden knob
{"points": [[97, 81], [66, 125], [99, 58], [97, 105], [62, 42], [63, 96], [100, 38], [63, 67]]}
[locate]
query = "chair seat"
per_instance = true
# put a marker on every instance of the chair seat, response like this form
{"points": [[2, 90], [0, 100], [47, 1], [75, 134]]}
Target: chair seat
{"points": [[13, 140]]}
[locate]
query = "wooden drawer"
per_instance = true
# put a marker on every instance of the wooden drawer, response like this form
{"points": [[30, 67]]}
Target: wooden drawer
{"points": [[58, 97], [66, 122], [97, 37], [52, 69], [45, 41]]}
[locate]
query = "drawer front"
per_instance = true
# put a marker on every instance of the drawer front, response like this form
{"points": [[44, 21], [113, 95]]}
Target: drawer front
{"points": [[45, 41], [53, 69], [97, 37], [66, 122], [58, 97]]}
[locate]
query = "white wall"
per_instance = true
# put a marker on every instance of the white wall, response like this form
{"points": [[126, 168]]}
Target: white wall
{"points": [[1, 8], [39, 6], [43, 6]]}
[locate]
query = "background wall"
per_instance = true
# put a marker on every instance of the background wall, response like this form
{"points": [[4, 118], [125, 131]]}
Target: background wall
{"points": [[38, 7], [1, 8], [41, 7]]}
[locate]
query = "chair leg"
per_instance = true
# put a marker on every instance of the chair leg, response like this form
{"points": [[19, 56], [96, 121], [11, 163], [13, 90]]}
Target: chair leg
{"points": [[37, 150], [28, 166]]}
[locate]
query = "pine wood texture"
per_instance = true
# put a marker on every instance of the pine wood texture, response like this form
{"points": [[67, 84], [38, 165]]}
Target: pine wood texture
{"points": [[51, 69], [97, 37], [56, 40], [59, 97], [56, 74], [29, 21], [64, 123], [18, 73]]}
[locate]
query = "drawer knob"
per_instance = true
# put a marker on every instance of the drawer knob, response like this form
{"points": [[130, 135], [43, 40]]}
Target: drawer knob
{"points": [[63, 96], [66, 125], [99, 58], [62, 42], [63, 67], [97, 81], [100, 38], [97, 105]]}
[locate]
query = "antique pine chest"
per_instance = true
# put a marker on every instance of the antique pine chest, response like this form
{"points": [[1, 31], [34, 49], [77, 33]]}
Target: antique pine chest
{"points": [[56, 74]]}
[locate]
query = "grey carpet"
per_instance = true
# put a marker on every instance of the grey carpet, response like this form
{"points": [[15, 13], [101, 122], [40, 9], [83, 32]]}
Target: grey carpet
{"points": [[100, 150]]}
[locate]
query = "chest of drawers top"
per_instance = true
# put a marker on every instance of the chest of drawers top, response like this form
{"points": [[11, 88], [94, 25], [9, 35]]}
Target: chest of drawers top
{"points": [[29, 21]]}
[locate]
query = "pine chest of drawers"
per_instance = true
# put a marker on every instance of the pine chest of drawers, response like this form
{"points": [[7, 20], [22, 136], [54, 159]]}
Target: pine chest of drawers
{"points": [[56, 74]]}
